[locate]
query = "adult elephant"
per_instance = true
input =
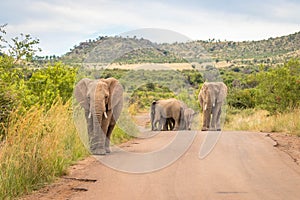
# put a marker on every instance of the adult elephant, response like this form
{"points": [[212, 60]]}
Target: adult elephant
{"points": [[162, 110], [211, 97], [102, 101]]}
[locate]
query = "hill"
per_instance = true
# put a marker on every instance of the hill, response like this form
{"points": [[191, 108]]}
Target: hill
{"points": [[105, 50]]}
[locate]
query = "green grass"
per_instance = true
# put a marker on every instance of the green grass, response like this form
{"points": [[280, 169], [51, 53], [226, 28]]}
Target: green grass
{"points": [[261, 120], [38, 147]]}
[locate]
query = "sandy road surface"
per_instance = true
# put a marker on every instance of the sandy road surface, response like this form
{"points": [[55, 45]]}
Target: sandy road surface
{"points": [[243, 165]]}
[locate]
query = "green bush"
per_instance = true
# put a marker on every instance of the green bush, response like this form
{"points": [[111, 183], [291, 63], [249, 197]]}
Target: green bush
{"points": [[39, 146], [47, 84], [279, 88], [242, 98]]}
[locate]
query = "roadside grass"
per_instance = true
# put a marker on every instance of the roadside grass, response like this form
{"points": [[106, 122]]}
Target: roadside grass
{"points": [[261, 120], [125, 128], [38, 147]]}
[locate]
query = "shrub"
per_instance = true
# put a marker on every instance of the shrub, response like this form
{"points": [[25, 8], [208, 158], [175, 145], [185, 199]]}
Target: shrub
{"points": [[241, 99], [47, 84], [38, 146], [279, 88]]}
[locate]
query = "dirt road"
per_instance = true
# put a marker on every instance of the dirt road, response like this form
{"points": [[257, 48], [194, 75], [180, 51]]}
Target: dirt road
{"points": [[242, 165]]}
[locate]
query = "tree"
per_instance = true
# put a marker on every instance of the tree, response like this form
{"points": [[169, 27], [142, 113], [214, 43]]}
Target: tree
{"points": [[22, 47], [2, 32], [279, 88]]}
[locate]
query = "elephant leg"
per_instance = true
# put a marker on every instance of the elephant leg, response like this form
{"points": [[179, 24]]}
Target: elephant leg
{"points": [[107, 141], [89, 121], [162, 122], [108, 125], [165, 125], [117, 111], [153, 123], [156, 120], [219, 119], [171, 124], [215, 117], [206, 119], [168, 125], [182, 124], [177, 124], [156, 124]]}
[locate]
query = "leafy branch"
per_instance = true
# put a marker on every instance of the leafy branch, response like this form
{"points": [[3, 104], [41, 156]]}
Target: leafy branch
{"points": [[2, 32], [22, 47]]}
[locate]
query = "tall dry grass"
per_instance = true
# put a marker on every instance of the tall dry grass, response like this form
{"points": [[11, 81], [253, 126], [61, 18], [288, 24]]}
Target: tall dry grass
{"points": [[260, 120], [38, 147]]}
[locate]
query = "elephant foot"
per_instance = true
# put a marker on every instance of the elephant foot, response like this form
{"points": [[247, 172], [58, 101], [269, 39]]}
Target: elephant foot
{"points": [[101, 152], [107, 149], [204, 129]]}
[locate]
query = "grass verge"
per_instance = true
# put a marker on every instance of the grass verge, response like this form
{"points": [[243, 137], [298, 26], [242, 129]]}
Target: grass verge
{"points": [[260, 120], [38, 147]]}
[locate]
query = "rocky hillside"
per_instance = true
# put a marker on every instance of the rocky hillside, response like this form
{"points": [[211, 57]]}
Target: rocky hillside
{"points": [[104, 50]]}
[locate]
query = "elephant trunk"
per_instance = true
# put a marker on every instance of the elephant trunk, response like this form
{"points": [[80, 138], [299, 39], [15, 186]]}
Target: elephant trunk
{"points": [[209, 102], [213, 99], [97, 137], [99, 116], [100, 107]]}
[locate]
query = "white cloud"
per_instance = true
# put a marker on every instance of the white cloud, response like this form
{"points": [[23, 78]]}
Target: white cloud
{"points": [[62, 24]]}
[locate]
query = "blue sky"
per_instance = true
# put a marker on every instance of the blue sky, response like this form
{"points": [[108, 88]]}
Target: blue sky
{"points": [[62, 24]]}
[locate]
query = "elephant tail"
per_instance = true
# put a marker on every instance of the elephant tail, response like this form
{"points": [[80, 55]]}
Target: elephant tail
{"points": [[153, 107], [152, 113]]}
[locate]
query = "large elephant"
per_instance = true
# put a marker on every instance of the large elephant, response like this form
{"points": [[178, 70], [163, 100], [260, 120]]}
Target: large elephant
{"points": [[211, 97], [102, 101], [162, 110]]}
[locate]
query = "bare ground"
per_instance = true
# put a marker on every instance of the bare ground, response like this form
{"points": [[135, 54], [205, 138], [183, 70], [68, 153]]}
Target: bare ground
{"points": [[287, 143], [83, 177]]}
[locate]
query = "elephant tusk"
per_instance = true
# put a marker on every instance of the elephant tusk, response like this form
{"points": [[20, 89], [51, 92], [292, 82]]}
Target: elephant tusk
{"points": [[205, 107], [105, 115], [90, 115]]}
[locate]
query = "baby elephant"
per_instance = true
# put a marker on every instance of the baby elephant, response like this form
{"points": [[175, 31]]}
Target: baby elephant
{"points": [[188, 116]]}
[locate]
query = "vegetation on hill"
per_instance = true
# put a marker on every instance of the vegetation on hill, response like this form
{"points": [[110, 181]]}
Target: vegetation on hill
{"points": [[105, 49], [275, 90], [259, 51], [133, 50]]}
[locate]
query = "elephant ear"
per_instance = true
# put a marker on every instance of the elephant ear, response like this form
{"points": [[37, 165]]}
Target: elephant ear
{"points": [[222, 92], [202, 94], [80, 92], [115, 92]]}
